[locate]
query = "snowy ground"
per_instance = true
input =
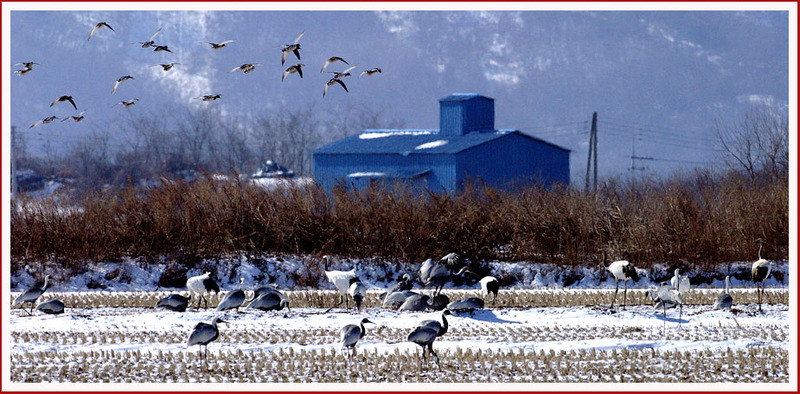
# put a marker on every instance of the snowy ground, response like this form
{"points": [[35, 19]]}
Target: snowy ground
{"points": [[573, 344]]}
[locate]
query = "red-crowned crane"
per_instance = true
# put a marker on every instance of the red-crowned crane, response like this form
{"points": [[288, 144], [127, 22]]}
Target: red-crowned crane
{"points": [[759, 272], [201, 286], [342, 280], [622, 270], [490, 285], [357, 291], [668, 294]]}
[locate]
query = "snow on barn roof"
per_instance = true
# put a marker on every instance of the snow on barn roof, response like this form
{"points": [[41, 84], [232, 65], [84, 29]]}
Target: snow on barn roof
{"points": [[415, 141]]}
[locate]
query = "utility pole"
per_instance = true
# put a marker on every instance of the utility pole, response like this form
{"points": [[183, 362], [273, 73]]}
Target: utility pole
{"points": [[592, 159], [634, 158]]}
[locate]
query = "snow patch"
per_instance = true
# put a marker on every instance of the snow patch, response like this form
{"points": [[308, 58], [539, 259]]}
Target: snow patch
{"points": [[432, 144]]}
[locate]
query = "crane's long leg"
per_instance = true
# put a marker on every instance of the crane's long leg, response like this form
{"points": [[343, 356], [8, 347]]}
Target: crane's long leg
{"points": [[625, 294], [680, 315], [615, 294], [435, 356]]}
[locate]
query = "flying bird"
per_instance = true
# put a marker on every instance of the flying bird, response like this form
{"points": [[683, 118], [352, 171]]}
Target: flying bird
{"points": [[371, 71], [293, 47], [161, 48], [218, 46], [297, 68], [246, 68], [26, 68], [165, 67], [340, 75], [24, 64], [331, 60], [98, 26], [44, 121], [332, 82], [23, 71], [120, 80], [128, 103], [65, 98], [209, 97], [149, 43], [76, 118]]}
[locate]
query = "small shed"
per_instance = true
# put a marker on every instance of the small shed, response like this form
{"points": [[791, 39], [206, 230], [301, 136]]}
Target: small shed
{"points": [[465, 147]]}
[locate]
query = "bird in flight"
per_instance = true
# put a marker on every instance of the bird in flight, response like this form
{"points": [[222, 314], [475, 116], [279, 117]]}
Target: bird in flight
{"points": [[77, 118], [98, 26], [161, 48], [332, 82], [218, 46], [65, 98], [149, 43], [371, 71], [128, 103], [293, 47], [44, 121], [340, 75], [210, 97], [26, 68], [121, 79], [297, 68], [246, 68], [166, 67], [331, 60]]}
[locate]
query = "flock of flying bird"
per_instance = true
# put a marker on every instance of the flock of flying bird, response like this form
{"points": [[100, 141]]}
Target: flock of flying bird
{"points": [[433, 275], [246, 68]]}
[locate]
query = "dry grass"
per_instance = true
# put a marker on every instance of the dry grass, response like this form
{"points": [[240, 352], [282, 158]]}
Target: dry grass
{"points": [[755, 365], [699, 219]]}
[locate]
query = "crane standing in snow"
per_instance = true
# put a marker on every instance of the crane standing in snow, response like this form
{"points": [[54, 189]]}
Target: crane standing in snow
{"points": [[725, 301], [342, 280], [622, 270], [31, 295], [351, 333], [201, 286], [760, 271]]}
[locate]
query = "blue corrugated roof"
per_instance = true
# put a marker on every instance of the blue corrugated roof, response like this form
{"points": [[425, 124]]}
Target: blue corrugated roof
{"points": [[463, 97], [414, 141]]}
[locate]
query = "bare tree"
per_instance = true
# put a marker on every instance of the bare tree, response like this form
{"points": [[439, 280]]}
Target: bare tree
{"points": [[757, 143]]}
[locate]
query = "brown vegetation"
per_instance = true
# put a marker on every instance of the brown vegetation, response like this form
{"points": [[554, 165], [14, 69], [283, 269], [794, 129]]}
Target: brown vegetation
{"points": [[702, 219]]}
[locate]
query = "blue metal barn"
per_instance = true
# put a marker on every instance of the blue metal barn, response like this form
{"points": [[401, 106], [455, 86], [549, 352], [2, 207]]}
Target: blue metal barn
{"points": [[466, 147]]}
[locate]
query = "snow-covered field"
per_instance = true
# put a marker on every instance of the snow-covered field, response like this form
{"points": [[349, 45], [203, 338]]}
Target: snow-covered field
{"points": [[507, 344]]}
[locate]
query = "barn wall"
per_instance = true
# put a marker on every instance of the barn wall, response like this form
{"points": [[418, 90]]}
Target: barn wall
{"points": [[513, 158], [331, 168]]}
